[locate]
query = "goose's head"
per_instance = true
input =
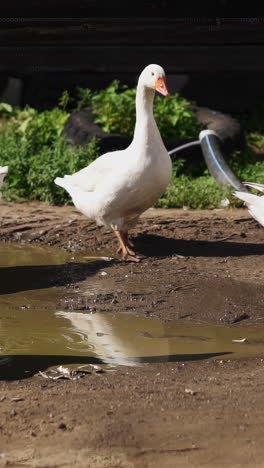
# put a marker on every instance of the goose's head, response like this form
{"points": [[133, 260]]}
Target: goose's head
{"points": [[153, 76]]}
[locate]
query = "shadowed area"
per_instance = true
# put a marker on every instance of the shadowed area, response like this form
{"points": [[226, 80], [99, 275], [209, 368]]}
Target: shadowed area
{"points": [[22, 367], [25, 277], [28, 277], [159, 246]]}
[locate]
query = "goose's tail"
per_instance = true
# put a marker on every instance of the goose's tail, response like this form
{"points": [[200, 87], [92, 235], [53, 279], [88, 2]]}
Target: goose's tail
{"points": [[74, 191], [84, 201], [259, 187], [248, 198], [62, 182], [254, 203]]}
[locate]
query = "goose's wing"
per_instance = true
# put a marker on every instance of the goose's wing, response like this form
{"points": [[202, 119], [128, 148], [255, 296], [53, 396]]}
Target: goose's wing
{"points": [[259, 187], [255, 205], [98, 171]]}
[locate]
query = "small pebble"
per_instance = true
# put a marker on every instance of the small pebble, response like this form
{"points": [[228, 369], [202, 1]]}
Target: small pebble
{"points": [[62, 426]]}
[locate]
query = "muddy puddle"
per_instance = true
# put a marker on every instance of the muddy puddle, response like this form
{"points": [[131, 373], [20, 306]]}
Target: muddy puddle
{"points": [[35, 335]]}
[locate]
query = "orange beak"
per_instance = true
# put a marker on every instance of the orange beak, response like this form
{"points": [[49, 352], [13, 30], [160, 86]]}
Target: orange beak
{"points": [[161, 87]]}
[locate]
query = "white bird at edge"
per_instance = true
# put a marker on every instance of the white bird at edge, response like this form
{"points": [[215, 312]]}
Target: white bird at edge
{"points": [[119, 186], [254, 203], [3, 172]]}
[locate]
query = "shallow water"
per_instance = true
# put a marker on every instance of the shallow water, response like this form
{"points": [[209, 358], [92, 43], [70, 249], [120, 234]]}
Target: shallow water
{"points": [[34, 334]]}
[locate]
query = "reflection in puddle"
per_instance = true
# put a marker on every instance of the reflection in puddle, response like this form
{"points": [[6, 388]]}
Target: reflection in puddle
{"points": [[34, 336], [127, 338], [117, 339]]}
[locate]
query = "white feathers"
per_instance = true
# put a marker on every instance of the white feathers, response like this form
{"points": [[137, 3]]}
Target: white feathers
{"points": [[3, 172], [259, 187], [117, 187], [255, 203]]}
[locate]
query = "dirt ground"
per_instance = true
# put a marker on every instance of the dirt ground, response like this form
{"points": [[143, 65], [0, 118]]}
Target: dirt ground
{"points": [[201, 266]]}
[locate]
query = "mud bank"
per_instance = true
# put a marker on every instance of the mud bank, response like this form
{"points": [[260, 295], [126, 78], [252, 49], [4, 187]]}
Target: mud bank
{"points": [[202, 267]]}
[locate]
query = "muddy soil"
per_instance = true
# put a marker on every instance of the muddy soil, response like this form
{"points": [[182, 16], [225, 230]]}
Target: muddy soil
{"points": [[203, 267]]}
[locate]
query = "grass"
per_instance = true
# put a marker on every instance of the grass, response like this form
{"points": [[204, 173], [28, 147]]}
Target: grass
{"points": [[32, 146], [201, 191]]}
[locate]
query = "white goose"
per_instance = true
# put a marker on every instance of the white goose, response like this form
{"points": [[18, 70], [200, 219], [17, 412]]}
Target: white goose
{"points": [[118, 187], [254, 203], [3, 172]]}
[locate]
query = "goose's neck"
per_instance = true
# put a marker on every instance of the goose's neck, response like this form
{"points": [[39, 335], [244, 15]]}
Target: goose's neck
{"points": [[145, 121]]}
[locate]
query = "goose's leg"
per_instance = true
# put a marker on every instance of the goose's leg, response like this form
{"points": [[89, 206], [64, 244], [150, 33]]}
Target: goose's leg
{"points": [[124, 235], [126, 252]]}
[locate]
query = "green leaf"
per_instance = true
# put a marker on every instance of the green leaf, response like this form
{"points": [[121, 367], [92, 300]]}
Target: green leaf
{"points": [[6, 107]]}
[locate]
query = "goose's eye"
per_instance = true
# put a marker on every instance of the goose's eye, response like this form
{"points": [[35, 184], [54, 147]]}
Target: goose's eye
{"points": [[152, 73]]}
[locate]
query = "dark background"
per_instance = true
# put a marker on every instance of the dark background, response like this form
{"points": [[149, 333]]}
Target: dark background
{"points": [[216, 61]]}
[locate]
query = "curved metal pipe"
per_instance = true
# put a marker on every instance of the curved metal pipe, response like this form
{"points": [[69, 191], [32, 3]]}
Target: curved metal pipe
{"points": [[210, 144], [186, 145]]}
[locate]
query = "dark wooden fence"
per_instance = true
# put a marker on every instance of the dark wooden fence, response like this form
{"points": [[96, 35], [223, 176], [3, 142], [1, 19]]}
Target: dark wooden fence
{"points": [[217, 61]]}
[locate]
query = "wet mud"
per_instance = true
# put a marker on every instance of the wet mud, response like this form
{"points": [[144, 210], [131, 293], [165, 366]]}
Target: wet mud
{"points": [[179, 337]]}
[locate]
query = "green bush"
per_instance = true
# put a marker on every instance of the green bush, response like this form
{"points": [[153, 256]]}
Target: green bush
{"points": [[38, 128], [36, 153], [175, 119], [115, 112], [56, 161], [31, 144], [31, 173]]}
